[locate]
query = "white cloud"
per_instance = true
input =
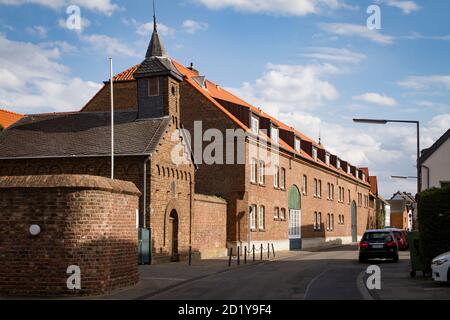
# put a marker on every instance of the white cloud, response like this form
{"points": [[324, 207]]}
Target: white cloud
{"points": [[426, 82], [407, 7], [376, 98], [292, 87], [192, 26], [354, 30], [109, 45], [146, 29], [32, 80], [39, 31], [339, 55], [281, 7], [102, 6]]}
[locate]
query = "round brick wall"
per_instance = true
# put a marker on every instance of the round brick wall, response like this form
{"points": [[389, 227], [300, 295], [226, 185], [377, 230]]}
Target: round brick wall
{"points": [[85, 221]]}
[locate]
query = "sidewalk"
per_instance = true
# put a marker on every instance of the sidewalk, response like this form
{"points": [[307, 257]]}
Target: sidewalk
{"points": [[396, 284], [155, 279]]}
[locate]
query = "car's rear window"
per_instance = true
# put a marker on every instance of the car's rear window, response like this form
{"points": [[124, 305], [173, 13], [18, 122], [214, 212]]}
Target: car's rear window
{"points": [[381, 236]]}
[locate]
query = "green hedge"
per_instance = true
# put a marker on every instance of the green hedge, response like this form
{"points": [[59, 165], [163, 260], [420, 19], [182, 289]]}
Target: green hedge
{"points": [[434, 223]]}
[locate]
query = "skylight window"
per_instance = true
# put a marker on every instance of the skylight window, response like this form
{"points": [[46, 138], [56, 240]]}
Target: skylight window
{"points": [[274, 134], [298, 144], [255, 125], [314, 153]]}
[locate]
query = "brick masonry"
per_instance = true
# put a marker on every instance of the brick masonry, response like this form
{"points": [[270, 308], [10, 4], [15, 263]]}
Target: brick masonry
{"points": [[85, 221]]}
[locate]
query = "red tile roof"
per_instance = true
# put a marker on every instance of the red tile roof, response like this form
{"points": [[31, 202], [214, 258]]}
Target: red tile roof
{"points": [[214, 93], [8, 118]]}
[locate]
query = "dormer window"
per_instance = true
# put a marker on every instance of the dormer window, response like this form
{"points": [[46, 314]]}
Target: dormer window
{"points": [[298, 144], [349, 169], [314, 153], [274, 134], [255, 125], [338, 163], [363, 177], [153, 87], [327, 159]]}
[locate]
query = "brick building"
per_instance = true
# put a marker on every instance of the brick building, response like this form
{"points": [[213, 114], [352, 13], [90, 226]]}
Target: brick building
{"points": [[145, 136], [307, 197]]}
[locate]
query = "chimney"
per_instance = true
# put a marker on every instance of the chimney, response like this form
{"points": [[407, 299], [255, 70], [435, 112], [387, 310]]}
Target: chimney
{"points": [[191, 67]]}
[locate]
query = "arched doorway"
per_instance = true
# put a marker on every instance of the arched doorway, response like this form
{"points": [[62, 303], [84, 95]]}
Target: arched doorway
{"points": [[354, 223], [295, 235], [173, 235]]}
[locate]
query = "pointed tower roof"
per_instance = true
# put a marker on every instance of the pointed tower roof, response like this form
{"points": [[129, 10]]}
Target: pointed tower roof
{"points": [[157, 61]]}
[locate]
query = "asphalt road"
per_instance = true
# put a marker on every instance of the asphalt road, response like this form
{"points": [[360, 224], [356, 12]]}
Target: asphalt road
{"points": [[330, 274]]}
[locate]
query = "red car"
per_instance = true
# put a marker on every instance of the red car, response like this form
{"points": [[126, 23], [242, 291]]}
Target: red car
{"points": [[400, 236]]}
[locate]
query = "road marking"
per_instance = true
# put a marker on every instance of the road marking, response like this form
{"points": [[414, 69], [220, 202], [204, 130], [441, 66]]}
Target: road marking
{"points": [[312, 282]]}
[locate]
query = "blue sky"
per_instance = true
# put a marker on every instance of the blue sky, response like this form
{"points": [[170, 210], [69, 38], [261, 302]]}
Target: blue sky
{"points": [[312, 63]]}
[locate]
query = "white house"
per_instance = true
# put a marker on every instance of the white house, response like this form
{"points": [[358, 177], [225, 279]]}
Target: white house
{"points": [[435, 164]]}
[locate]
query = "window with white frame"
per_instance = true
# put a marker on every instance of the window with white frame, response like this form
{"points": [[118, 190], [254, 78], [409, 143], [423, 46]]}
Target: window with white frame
{"points": [[262, 172], [255, 124], [298, 144], [274, 134], [316, 188], [276, 177], [328, 222], [315, 221], [261, 218], [314, 153], [319, 221], [320, 189], [338, 163], [305, 185], [276, 213], [253, 172], [332, 222], [349, 169], [332, 192], [329, 191], [252, 217], [283, 178], [363, 177], [327, 159], [283, 214]]}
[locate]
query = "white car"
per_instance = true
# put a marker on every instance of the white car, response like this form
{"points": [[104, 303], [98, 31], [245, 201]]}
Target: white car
{"points": [[441, 268]]}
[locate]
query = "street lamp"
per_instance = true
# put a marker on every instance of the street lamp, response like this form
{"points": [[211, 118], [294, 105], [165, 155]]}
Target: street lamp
{"points": [[417, 123]]}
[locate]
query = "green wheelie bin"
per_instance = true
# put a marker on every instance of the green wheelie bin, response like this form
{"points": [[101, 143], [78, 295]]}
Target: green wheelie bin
{"points": [[413, 239]]}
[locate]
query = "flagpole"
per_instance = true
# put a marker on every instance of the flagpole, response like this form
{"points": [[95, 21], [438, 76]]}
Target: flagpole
{"points": [[112, 116]]}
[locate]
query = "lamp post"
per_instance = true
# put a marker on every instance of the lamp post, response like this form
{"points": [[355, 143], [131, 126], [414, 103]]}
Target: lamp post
{"points": [[417, 123]]}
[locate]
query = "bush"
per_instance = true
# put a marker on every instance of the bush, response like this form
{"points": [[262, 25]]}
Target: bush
{"points": [[434, 223]]}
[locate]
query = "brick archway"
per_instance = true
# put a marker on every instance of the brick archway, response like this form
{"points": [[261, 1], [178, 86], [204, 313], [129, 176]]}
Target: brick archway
{"points": [[171, 207]]}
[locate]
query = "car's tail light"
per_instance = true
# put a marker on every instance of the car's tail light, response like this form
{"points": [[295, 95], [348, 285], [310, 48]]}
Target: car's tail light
{"points": [[363, 245], [391, 244]]}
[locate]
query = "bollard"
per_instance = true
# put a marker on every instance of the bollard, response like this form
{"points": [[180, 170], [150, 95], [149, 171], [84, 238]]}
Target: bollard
{"points": [[273, 249], [231, 254], [268, 251], [254, 253], [190, 255], [262, 249], [238, 255], [245, 255]]}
